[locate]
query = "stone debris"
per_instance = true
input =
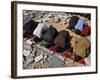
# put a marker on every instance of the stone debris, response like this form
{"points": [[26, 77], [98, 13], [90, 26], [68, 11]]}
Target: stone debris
{"points": [[26, 52], [50, 15], [57, 19], [46, 50], [29, 42], [40, 21], [67, 61], [45, 20], [27, 62], [26, 46], [38, 58], [45, 57], [60, 57], [87, 60], [56, 62]]}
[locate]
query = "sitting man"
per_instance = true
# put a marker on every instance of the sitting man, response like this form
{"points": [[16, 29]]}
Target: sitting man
{"points": [[49, 35]]}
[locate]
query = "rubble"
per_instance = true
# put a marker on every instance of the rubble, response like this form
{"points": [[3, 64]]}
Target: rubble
{"points": [[38, 58], [50, 15], [26, 52], [60, 57], [57, 19], [29, 42], [26, 46], [45, 57]]}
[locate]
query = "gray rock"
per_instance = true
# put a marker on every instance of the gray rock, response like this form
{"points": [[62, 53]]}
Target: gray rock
{"points": [[26, 52], [50, 15], [57, 19], [45, 57], [26, 14], [29, 60], [40, 20], [38, 58], [26, 46], [29, 42], [45, 19]]}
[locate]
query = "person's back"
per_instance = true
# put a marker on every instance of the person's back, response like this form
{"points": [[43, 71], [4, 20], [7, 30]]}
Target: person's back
{"points": [[28, 28], [49, 35]]}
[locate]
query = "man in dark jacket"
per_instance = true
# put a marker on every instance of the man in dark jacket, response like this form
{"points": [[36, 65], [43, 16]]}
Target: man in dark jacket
{"points": [[72, 22], [28, 28], [49, 35], [62, 41]]}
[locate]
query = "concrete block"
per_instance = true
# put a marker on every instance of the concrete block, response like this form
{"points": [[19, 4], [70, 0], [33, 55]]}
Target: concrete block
{"points": [[38, 58], [29, 42], [26, 52]]}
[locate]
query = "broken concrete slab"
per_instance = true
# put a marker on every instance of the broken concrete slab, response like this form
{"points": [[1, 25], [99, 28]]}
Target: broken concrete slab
{"points": [[38, 58], [26, 52], [29, 42]]}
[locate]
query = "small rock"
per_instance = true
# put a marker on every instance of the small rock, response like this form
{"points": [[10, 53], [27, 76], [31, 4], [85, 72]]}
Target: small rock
{"points": [[38, 58], [40, 16], [40, 20], [67, 61], [50, 15], [60, 15], [42, 62], [88, 61], [46, 19], [45, 57], [32, 55], [29, 42], [26, 46], [26, 52], [57, 19], [26, 14], [34, 50], [29, 60], [43, 12], [60, 57]]}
